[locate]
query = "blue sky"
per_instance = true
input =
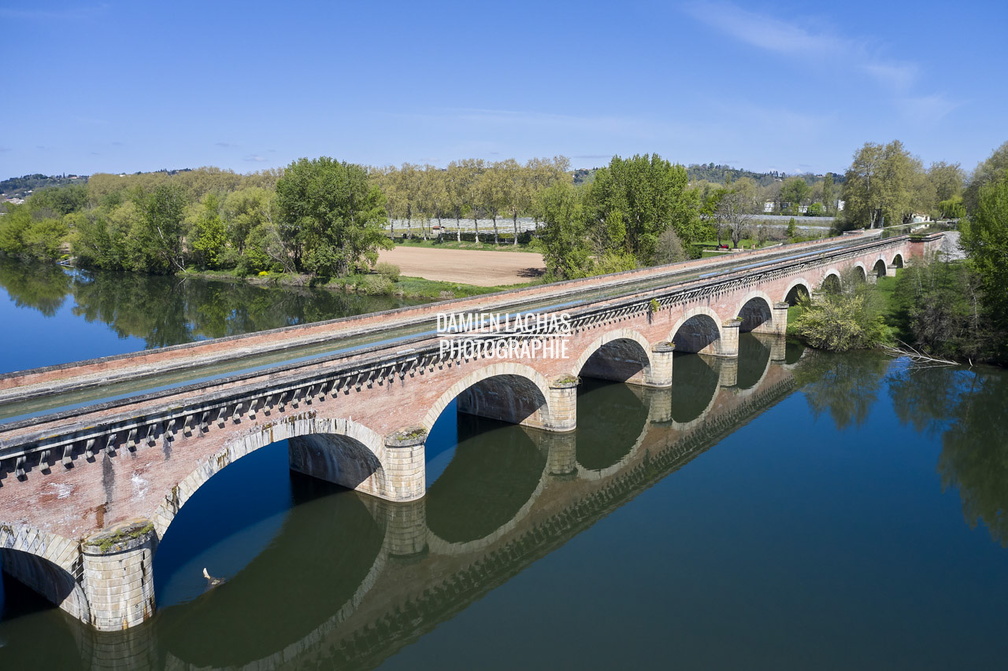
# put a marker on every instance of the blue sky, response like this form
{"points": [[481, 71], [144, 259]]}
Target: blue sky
{"points": [[790, 86]]}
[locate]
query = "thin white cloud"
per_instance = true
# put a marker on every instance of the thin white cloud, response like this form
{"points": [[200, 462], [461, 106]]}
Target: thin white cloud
{"points": [[898, 79], [763, 31], [255, 158]]}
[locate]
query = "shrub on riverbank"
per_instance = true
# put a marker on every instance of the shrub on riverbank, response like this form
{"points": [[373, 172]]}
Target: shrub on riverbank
{"points": [[840, 322], [843, 316]]}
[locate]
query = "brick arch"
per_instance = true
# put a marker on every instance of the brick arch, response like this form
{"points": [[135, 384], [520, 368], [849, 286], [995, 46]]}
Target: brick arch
{"points": [[45, 562], [519, 375], [897, 260], [625, 335], [703, 318], [880, 268], [863, 275], [757, 314], [346, 431], [831, 272], [793, 284]]}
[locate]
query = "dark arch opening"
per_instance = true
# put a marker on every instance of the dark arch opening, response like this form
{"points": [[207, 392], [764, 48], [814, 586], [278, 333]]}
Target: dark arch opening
{"points": [[697, 334], [795, 293], [694, 384], [879, 269], [319, 557], [509, 398], [859, 275], [334, 458], [610, 419], [831, 284], [753, 360], [618, 361], [898, 261], [31, 584], [754, 314], [27, 618]]}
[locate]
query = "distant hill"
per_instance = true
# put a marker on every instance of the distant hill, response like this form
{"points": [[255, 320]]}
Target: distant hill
{"points": [[21, 187]]}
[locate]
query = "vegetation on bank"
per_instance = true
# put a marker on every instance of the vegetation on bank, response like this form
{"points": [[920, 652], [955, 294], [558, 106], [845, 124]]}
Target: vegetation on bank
{"points": [[953, 310], [326, 219]]}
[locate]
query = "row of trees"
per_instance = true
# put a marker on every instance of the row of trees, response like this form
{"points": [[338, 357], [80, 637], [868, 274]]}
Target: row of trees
{"points": [[316, 216], [471, 188], [327, 218]]}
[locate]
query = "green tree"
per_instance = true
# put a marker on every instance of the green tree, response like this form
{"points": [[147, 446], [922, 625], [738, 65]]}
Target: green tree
{"points": [[102, 236], [632, 201], [795, 191], [987, 171], [736, 205], [564, 235], [206, 233], [944, 182], [332, 215], [14, 225], [44, 238], [244, 210], [881, 186], [433, 193], [941, 308], [985, 239], [56, 201], [155, 239], [829, 194], [493, 190]]}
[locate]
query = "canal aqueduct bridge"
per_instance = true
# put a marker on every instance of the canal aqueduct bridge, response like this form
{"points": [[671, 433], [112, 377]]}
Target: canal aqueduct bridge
{"points": [[114, 447]]}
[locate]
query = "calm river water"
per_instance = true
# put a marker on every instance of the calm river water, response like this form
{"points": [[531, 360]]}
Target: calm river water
{"points": [[820, 511]]}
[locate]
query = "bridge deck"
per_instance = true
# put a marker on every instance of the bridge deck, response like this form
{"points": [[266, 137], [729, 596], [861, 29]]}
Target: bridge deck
{"points": [[33, 393]]}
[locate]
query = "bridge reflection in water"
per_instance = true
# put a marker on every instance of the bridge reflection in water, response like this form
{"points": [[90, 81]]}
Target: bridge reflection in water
{"points": [[349, 579]]}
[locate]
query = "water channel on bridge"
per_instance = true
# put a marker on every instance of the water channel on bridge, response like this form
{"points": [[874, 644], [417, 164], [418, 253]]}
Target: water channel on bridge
{"points": [[823, 512]]}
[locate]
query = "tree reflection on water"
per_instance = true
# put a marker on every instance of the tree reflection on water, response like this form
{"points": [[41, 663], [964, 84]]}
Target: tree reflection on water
{"points": [[968, 407]]}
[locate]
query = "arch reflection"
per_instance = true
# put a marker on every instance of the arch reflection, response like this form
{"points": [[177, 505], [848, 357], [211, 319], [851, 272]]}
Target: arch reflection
{"points": [[496, 468], [611, 417], [694, 385]]}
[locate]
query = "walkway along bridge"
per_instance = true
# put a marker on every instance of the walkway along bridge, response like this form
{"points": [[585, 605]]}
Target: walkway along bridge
{"points": [[98, 457]]}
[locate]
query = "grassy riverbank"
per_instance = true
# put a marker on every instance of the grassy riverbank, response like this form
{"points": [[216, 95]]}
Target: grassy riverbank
{"points": [[369, 284]]}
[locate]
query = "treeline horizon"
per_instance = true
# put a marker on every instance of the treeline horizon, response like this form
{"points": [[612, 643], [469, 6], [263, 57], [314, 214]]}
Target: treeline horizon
{"points": [[634, 212], [711, 172]]}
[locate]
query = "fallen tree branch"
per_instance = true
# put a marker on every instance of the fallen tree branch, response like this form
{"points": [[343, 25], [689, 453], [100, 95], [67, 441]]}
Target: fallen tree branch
{"points": [[917, 356]]}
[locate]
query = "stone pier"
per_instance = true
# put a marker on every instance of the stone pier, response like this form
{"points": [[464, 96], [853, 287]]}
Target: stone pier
{"points": [[119, 575]]}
